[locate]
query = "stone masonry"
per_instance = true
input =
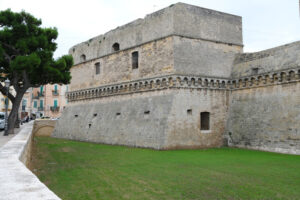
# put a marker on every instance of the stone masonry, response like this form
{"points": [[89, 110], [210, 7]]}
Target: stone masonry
{"points": [[179, 79]]}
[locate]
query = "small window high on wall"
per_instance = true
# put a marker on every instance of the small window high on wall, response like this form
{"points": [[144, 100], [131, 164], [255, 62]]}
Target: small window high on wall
{"points": [[204, 120], [135, 59], [97, 68], [116, 47], [82, 58]]}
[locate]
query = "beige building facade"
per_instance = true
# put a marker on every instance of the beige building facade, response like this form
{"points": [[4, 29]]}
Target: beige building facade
{"points": [[44, 101]]}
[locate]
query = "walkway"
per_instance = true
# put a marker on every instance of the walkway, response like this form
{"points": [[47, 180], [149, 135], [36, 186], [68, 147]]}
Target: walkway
{"points": [[4, 139], [16, 181]]}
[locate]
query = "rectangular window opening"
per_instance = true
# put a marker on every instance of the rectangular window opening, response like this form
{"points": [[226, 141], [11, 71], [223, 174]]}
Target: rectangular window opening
{"points": [[75, 115], [189, 111], [204, 121], [135, 60], [118, 114], [97, 68]]}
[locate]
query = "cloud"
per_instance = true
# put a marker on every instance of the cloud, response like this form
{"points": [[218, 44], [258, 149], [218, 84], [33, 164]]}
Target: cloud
{"points": [[266, 23]]}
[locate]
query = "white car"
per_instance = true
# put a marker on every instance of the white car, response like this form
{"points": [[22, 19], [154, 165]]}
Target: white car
{"points": [[2, 120]]}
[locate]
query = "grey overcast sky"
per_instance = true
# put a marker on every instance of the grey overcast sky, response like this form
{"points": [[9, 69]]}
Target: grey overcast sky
{"points": [[266, 23]]}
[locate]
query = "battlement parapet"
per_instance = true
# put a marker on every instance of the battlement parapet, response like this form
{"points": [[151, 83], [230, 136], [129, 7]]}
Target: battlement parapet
{"points": [[186, 82]]}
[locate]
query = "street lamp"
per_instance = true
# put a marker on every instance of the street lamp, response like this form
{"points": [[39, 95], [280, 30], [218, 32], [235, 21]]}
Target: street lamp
{"points": [[7, 83]]}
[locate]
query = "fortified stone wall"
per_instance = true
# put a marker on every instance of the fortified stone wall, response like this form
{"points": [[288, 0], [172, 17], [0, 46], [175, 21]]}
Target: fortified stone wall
{"points": [[139, 120], [195, 56], [155, 58], [161, 119], [184, 121], [270, 60], [178, 19], [266, 118]]}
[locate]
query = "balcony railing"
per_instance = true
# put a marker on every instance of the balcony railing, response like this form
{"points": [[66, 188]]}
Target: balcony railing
{"points": [[40, 108], [55, 93], [41, 94], [54, 108]]}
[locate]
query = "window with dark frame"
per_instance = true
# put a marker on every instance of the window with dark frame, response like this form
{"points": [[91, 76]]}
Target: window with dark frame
{"points": [[204, 121], [82, 58], [97, 68], [135, 60], [116, 47]]}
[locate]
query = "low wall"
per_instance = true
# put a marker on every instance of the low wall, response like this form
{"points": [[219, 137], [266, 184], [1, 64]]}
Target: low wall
{"points": [[43, 127], [16, 181]]}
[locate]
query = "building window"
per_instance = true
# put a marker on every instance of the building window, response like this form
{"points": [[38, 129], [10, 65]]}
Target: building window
{"points": [[24, 103], [189, 111], [204, 121], [116, 47], [97, 68], [41, 103], [55, 103], [135, 60], [82, 58], [35, 104]]}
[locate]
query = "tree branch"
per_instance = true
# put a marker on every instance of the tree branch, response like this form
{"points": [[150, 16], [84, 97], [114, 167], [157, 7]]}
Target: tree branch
{"points": [[4, 90], [16, 51]]}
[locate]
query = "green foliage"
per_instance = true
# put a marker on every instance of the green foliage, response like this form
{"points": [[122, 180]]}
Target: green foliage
{"points": [[26, 47], [79, 170]]}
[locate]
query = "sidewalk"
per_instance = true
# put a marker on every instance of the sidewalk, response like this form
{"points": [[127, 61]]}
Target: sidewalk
{"points": [[5, 139], [16, 181]]}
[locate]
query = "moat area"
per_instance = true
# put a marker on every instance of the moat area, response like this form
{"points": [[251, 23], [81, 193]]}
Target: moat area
{"points": [[79, 170]]}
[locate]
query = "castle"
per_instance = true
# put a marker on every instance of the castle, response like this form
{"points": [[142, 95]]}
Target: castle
{"points": [[179, 79]]}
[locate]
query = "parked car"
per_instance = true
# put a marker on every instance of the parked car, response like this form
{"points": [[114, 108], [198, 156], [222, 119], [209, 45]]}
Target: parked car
{"points": [[2, 120]]}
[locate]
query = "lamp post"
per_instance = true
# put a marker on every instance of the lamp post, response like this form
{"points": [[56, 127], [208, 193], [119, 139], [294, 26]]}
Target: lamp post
{"points": [[7, 83]]}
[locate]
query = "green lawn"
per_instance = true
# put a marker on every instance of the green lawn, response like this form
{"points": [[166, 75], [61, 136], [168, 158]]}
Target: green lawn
{"points": [[79, 170]]}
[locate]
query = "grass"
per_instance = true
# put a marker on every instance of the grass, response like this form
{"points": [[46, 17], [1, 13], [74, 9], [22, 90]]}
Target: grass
{"points": [[79, 170]]}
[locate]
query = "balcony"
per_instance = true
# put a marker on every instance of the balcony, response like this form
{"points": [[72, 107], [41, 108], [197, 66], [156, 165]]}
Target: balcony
{"points": [[35, 97], [41, 94], [55, 93], [40, 108], [54, 108]]}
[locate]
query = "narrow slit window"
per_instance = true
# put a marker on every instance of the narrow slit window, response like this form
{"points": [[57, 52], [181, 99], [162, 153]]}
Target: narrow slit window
{"points": [[204, 120], [135, 60], [97, 68], [147, 112], [118, 114]]}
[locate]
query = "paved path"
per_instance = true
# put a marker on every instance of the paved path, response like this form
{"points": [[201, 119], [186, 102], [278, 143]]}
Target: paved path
{"points": [[5, 139]]}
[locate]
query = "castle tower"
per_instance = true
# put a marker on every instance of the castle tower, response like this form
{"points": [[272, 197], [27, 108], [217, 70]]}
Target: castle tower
{"points": [[157, 82]]}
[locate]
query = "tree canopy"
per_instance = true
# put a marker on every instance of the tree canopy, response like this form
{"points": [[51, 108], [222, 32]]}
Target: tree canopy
{"points": [[26, 53]]}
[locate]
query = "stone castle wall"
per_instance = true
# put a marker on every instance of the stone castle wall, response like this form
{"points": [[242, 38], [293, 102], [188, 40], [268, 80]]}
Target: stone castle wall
{"points": [[179, 19], [266, 118], [193, 64], [162, 119], [155, 58], [270, 60]]}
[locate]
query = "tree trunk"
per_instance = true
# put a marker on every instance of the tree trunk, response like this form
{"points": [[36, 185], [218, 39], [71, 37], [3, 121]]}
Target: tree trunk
{"points": [[13, 116]]}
